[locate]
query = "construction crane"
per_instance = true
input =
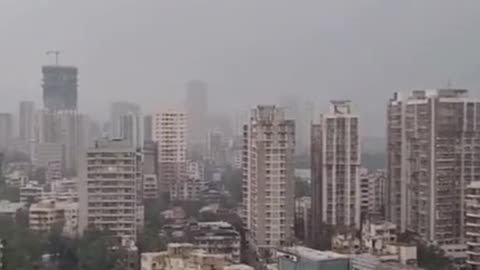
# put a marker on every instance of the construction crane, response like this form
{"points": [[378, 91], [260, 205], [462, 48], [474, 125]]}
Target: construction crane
{"points": [[57, 55]]}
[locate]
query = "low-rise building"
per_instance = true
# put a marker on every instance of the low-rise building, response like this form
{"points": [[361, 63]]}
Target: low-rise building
{"points": [[372, 262], [128, 254], [71, 212], [346, 242], [16, 179], [457, 254], [182, 256], [300, 257], [174, 214], [217, 238], [376, 235], [10, 209], [44, 215], [238, 267], [31, 192]]}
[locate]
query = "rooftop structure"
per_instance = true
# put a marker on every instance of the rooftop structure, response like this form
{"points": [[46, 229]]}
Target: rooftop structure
{"points": [[300, 257], [10, 209], [182, 256]]}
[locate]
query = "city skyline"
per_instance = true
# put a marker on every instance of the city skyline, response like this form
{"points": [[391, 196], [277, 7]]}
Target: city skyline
{"points": [[244, 135], [328, 47]]}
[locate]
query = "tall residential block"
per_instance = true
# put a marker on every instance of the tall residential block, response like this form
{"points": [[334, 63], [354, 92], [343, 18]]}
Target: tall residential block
{"points": [[67, 128], [60, 87], [169, 132], [126, 121], [216, 148], [26, 119], [472, 225], [372, 193], [196, 105], [335, 154], [268, 177], [73, 136], [147, 128], [433, 141], [150, 170], [6, 130], [110, 184]]}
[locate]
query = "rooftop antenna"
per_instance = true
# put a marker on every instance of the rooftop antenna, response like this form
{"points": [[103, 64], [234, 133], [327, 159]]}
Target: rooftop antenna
{"points": [[449, 84], [57, 55]]}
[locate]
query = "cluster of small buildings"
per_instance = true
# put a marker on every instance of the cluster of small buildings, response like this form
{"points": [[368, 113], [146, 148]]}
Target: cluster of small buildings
{"points": [[186, 256]]}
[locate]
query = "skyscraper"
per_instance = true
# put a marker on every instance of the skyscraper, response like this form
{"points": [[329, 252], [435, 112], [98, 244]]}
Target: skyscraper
{"points": [[147, 128], [433, 148], [129, 129], [216, 148], [26, 121], [197, 114], [60, 87], [472, 203], [150, 170], [335, 154], [268, 184], [6, 130], [109, 188], [169, 132], [302, 113], [125, 118], [66, 128], [73, 128]]}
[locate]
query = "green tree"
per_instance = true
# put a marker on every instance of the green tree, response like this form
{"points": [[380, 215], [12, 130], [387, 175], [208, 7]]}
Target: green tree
{"points": [[9, 193], [432, 258], [95, 252], [22, 248], [149, 239]]}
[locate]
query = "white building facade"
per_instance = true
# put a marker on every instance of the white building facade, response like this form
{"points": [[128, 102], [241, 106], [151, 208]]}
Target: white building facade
{"points": [[169, 132], [433, 141], [336, 168], [268, 177], [109, 189]]}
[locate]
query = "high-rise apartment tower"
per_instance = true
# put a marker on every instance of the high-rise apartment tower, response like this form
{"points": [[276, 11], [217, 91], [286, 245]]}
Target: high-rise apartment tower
{"points": [[433, 141], [268, 177], [335, 154]]}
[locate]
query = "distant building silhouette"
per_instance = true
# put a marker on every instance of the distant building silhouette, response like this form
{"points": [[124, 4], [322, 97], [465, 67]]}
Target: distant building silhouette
{"points": [[197, 114], [125, 118], [6, 130], [60, 87]]}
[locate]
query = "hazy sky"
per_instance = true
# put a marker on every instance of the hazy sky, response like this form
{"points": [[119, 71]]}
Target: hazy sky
{"points": [[249, 51]]}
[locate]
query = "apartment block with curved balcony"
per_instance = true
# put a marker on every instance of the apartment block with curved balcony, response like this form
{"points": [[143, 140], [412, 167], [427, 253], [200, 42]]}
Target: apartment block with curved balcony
{"points": [[472, 225]]}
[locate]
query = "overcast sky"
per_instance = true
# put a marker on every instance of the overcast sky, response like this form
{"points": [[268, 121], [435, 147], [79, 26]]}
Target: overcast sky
{"points": [[249, 51]]}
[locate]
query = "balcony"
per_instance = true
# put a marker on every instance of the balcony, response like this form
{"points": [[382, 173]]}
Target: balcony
{"points": [[473, 252], [471, 214], [473, 233], [473, 262]]}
